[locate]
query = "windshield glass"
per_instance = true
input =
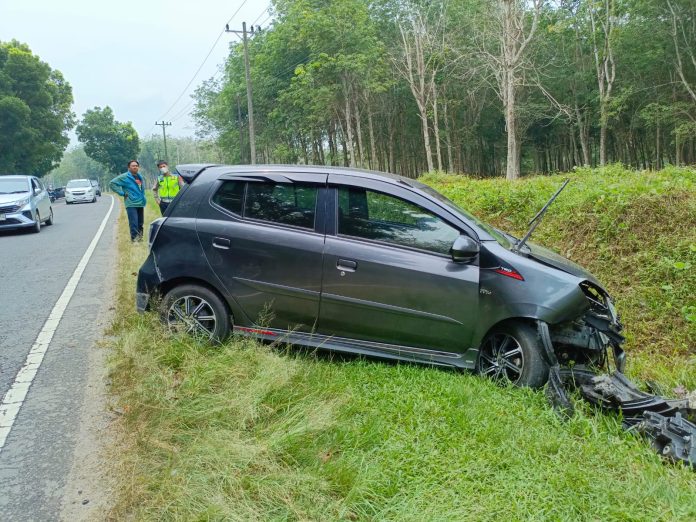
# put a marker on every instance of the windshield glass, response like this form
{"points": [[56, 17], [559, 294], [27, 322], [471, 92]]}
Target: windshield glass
{"points": [[13, 186], [499, 237], [79, 183]]}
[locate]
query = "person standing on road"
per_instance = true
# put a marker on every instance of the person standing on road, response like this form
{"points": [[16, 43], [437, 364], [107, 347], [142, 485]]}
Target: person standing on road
{"points": [[166, 187], [131, 186]]}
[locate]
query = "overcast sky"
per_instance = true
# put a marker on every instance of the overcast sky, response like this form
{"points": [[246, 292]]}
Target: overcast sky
{"points": [[134, 56]]}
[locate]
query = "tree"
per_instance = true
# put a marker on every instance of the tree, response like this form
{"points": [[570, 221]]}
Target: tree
{"points": [[35, 113], [107, 141]]}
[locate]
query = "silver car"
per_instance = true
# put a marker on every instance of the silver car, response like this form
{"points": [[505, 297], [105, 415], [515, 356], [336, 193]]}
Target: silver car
{"points": [[80, 190], [24, 203]]}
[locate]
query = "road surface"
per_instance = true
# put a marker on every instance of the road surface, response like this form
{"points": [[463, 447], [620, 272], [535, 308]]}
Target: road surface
{"points": [[39, 450]]}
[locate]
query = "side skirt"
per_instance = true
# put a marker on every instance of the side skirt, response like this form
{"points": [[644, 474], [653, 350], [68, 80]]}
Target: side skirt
{"points": [[466, 360]]}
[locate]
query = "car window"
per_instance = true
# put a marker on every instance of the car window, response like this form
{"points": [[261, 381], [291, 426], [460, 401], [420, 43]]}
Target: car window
{"points": [[372, 215], [289, 204], [230, 196], [35, 184]]}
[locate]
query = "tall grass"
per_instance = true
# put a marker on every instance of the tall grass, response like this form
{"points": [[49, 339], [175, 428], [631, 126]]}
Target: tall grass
{"points": [[246, 431]]}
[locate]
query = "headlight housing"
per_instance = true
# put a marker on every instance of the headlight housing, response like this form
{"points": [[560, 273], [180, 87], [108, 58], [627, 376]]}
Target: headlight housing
{"points": [[23, 202]]}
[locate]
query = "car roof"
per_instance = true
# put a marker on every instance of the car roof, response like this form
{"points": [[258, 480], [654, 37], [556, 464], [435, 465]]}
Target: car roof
{"points": [[190, 171], [16, 176], [79, 179]]}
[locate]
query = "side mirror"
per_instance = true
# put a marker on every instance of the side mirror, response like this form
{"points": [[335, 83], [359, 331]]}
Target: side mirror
{"points": [[464, 249], [37, 191]]}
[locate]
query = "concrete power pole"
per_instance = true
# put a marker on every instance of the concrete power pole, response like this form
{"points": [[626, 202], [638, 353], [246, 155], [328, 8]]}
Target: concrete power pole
{"points": [[164, 124], [250, 102]]}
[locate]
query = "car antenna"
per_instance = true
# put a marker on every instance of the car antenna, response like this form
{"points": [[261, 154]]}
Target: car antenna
{"points": [[537, 219]]}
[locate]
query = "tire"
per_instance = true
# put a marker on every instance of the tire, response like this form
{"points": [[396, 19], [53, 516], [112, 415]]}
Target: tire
{"points": [[49, 221], [184, 306], [94, 200], [37, 225], [512, 353]]}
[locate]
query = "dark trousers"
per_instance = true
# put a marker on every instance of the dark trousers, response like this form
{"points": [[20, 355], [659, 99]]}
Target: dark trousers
{"points": [[163, 206], [135, 222]]}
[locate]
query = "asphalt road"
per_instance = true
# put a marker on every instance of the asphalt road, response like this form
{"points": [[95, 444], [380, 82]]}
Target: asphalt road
{"points": [[34, 270]]}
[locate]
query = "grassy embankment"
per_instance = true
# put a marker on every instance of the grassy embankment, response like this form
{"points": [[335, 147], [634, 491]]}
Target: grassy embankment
{"points": [[250, 432]]}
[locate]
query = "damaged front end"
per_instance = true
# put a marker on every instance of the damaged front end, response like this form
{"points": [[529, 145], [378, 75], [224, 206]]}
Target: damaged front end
{"points": [[579, 354]]}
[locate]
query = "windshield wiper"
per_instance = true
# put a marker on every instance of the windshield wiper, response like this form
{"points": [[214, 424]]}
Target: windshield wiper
{"points": [[537, 219]]}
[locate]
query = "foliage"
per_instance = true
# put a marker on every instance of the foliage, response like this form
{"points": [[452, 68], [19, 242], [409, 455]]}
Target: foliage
{"points": [[107, 141], [245, 431], [35, 112], [77, 165], [330, 88]]}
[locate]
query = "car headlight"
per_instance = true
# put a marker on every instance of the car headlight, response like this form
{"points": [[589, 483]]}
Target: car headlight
{"points": [[23, 202]]}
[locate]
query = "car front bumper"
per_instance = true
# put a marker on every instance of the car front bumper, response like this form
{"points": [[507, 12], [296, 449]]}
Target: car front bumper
{"points": [[85, 198], [15, 220], [147, 285]]}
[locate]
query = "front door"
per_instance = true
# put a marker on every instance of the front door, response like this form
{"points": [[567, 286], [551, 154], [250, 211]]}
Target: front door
{"points": [[389, 278], [263, 240]]}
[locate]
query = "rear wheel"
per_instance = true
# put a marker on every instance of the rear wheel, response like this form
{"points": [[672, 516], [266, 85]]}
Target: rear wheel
{"points": [[197, 311], [512, 352], [49, 221]]}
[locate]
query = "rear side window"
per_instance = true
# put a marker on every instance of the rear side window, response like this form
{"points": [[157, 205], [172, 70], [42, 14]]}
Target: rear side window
{"points": [[287, 204], [230, 196], [380, 217]]}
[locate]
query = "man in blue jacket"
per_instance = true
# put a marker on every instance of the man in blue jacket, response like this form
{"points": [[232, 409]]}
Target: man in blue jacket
{"points": [[131, 186]]}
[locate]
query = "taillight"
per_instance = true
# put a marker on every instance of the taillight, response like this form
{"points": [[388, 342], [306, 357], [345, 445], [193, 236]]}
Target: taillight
{"points": [[154, 228]]}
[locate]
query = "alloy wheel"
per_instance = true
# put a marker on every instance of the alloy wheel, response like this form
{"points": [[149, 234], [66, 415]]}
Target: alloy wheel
{"points": [[501, 358], [192, 315]]}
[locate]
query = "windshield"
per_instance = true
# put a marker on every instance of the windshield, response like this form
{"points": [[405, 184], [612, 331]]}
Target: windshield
{"points": [[13, 186], [79, 183], [497, 235]]}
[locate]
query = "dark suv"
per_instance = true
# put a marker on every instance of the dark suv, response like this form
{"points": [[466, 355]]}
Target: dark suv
{"points": [[372, 264]]}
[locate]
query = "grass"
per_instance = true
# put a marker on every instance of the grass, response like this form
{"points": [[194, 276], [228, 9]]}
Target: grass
{"points": [[252, 432]]}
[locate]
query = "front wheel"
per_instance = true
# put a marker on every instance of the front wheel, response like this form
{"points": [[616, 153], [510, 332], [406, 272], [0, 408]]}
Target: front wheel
{"points": [[37, 224], [512, 352], [49, 221], [197, 311]]}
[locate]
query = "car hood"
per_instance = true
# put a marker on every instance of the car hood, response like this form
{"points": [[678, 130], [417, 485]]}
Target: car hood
{"points": [[550, 258], [11, 198]]}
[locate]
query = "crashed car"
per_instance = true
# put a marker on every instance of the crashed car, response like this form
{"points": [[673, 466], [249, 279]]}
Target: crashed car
{"points": [[372, 264]]}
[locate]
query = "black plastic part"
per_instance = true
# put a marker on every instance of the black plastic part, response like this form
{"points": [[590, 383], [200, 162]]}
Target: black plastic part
{"points": [[672, 437]]}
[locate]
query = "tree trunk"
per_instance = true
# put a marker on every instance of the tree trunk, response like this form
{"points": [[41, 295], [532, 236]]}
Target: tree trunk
{"points": [[373, 146], [513, 159], [349, 126], [358, 130], [436, 128]]}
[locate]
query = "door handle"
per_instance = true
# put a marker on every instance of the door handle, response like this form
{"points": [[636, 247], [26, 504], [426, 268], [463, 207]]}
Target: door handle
{"points": [[346, 265], [222, 243]]}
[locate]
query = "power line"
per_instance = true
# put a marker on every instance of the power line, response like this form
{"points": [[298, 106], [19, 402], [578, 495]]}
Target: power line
{"points": [[212, 48], [262, 13]]}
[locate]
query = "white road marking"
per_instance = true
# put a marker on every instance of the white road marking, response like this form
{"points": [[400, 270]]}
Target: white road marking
{"points": [[15, 396]]}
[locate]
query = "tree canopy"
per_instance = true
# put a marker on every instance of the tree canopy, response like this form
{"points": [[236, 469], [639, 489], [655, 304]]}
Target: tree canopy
{"points": [[107, 141], [481, 86], [35, 112]]}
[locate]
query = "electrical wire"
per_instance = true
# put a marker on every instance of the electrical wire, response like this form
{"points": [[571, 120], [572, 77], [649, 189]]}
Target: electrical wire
{"points": [[212, 48]]}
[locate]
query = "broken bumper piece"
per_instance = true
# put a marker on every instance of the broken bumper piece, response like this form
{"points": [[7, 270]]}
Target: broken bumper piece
{"points": [[662, 421]]}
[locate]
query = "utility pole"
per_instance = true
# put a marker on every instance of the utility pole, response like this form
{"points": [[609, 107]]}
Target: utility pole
{"points": [[164, 124], [250, 102], [241, 137]]}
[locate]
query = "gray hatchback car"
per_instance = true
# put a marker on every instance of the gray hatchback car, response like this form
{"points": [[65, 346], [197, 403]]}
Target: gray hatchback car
{"points": [[24, 203], [372, 264]]}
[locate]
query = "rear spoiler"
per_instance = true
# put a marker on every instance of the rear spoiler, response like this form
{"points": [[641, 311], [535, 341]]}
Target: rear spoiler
{"points": [[191, 171]]}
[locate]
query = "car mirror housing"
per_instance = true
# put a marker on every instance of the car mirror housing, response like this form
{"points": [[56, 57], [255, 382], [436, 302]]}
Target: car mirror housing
{"points": [[464, 249]]}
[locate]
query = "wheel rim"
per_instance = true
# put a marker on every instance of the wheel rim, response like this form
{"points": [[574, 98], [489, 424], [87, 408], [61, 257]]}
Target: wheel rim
{"points": [[192, 315], [501, 358]]}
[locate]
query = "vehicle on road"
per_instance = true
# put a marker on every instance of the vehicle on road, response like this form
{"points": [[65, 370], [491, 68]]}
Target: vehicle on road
{"points": [[372, 264], [24, 203], [95, 184], [80, 191]]}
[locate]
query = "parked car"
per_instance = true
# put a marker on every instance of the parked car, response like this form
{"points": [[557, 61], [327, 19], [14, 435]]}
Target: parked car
{"points": [[80, 190], [95, 184], [24, 203], [371, 264]]}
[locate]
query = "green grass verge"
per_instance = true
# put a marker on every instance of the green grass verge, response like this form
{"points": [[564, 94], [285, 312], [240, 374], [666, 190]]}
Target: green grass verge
{"points": [[253, 432]]}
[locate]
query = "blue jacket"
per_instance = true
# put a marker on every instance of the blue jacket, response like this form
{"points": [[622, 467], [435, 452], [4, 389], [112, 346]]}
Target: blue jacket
{"points": [[127, 185]]}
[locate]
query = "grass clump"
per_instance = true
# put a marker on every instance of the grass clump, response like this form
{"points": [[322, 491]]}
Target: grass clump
{"points": [[245, 431]]}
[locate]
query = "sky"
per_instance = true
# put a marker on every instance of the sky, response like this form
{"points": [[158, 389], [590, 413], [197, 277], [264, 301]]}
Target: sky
{"points": [[135, 56]]}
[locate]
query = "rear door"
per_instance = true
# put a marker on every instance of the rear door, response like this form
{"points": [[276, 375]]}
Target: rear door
{"points": [[388, 274], [264, 238]]}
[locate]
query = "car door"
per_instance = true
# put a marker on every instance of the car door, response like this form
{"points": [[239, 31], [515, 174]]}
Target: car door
{"points": [[40, 196], [264, 239], [388, 275]]}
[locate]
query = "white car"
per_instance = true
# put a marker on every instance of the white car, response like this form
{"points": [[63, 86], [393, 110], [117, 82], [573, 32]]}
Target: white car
{"points": [[80, 190], [24, 203]]}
